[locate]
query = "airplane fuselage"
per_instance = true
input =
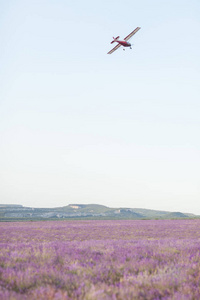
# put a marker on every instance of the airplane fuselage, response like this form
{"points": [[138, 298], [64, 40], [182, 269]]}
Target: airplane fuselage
{"points": [[124, 43]]}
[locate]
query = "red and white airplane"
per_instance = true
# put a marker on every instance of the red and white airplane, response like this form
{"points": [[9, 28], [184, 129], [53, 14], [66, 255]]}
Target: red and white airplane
{"points": [[124, 42]]}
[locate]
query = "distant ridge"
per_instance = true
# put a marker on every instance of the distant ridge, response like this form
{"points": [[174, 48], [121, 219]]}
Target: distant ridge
{"points": [[176, 215], [11, 205], [85, 212]]}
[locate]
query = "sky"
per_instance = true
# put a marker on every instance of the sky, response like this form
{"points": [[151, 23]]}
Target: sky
{"points": [[80, 126]]}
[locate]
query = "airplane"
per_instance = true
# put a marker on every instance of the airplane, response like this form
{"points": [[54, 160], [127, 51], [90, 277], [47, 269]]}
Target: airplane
{"points": [[124, 42]]}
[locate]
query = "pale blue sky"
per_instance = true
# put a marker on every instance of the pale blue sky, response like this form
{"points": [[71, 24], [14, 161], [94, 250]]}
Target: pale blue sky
{"points": [[80, 126]]}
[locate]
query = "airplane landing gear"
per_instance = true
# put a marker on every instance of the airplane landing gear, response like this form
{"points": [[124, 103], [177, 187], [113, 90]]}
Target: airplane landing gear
{"points": [[130, 48], [123, 49]]}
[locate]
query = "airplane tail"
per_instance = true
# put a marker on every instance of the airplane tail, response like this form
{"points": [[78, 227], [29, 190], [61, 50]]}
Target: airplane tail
{"points": [[114, 39]]}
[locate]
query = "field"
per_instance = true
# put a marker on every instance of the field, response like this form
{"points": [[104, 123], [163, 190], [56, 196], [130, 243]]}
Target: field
{"points": [[97, 260]]}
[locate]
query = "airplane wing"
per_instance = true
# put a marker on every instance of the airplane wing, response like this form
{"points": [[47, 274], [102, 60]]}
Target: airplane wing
{"points": [[131, 34], [114, 49]]}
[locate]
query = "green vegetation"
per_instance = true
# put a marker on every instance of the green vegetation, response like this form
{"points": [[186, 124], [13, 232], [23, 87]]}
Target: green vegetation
{"points": [[85, 212]]}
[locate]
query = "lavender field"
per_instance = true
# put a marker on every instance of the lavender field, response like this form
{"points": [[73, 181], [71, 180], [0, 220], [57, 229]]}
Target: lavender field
{"points": [[147, 259]]}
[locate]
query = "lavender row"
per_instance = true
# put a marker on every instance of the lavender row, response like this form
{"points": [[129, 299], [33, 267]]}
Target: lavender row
{"points": [[155, 259]]}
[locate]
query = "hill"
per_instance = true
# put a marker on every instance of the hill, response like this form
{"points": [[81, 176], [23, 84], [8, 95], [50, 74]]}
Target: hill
{"points": [[175, 215], [84, 211]]}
